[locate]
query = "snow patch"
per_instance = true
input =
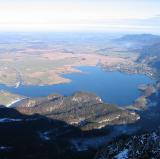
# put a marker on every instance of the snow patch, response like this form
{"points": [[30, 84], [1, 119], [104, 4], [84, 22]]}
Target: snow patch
{"points": [[138, 117], [111, 119], [79, 122], [99, 99], [101, 126], [44, 136], [75, 99], [154, 136], [122, 155], [6, 120], [133, 113], [4, 148], [13, 102]]}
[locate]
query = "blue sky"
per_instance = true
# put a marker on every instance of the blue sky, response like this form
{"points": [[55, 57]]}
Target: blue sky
{"points": [[92, 15]]}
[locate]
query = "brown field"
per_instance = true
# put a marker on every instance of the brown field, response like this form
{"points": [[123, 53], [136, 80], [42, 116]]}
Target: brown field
{"points": [[29, 67]]}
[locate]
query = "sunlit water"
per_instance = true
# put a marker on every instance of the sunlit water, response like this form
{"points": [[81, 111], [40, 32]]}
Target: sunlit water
{"points": [[113, 87]]}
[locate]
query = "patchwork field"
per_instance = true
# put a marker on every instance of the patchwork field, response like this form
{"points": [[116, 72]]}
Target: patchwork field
{"points": [[41, 59], [46, 68]]}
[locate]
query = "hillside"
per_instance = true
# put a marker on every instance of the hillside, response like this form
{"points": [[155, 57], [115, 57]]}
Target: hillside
{"points": [[59, 127], [144, 144], [137, 41], [84, 110], [140, 146]]}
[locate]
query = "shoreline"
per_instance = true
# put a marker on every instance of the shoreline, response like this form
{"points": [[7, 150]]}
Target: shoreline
{"points": [[80, 71], [14, 102], [66, 80]]}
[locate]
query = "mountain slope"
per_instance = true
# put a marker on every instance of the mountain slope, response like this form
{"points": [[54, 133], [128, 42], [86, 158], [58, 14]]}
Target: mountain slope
{"points": [[142, 146], [84, 110], [58, 127]]}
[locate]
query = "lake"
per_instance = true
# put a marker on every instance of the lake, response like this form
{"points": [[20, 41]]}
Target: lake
{"points": [[113, 87]]}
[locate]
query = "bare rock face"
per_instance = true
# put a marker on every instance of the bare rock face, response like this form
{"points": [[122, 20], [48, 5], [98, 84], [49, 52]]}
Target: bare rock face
{"points": [[84, 110]]}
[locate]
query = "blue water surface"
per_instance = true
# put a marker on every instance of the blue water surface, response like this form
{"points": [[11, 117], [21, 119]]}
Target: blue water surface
{"points": [[113, 87]]}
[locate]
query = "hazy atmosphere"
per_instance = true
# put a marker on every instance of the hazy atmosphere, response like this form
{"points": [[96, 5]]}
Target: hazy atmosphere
{"points": [[81, 15]]}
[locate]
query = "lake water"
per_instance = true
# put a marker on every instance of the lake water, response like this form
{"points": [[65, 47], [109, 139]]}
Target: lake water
{"points": [[113, 87]]}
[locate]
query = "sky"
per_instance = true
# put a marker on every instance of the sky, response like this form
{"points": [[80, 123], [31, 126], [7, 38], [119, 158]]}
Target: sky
{"points": [[80, 15]]}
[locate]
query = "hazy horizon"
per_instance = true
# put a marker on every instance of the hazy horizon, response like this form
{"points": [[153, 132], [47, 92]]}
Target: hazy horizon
{"points": [[80, 15]]}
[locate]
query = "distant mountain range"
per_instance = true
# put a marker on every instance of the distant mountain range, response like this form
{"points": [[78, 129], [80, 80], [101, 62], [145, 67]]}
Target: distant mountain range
{"points": [[147, 45], [140, 38]]}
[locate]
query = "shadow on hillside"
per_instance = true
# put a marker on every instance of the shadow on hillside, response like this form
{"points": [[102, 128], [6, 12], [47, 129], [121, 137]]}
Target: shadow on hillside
{"points": [[37, 137]]}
